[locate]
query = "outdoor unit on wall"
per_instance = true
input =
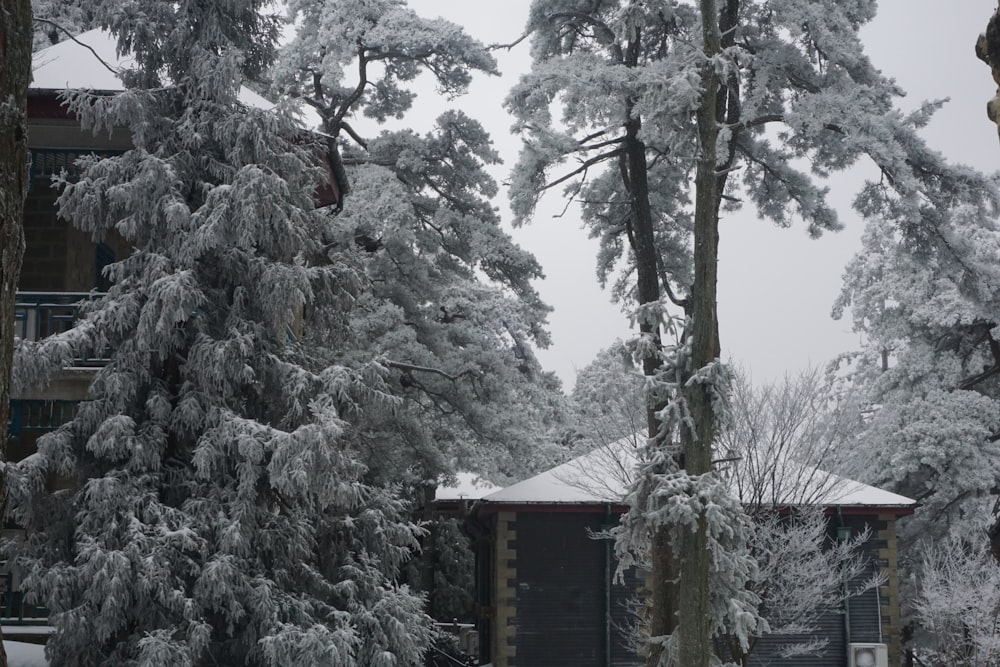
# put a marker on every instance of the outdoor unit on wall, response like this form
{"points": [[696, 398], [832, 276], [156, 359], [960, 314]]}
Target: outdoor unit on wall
{"points": [[867, 655], [468, 641]]}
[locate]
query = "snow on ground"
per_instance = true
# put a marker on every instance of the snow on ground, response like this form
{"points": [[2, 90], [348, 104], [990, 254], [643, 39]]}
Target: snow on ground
{"points": [[21, 654]]}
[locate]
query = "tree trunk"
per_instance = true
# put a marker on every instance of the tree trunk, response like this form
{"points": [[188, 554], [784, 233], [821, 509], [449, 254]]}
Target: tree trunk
{"points": [[988, 50], [663, 564], [15, 74], [694, 633], [663, 567]]}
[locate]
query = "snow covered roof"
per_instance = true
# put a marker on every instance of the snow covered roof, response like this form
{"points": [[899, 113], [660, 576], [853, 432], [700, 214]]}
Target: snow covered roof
{"points": [[71, 65], [85, 62], [604, 475], [468, 486]]}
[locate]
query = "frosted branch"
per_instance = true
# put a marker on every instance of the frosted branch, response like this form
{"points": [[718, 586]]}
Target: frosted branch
{"points": [[582, 169], [412, 368]]}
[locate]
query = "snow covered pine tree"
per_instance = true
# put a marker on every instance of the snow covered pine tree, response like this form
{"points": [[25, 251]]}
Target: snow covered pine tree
{"points": [[448, 303], [202, 508], [677, 109]]}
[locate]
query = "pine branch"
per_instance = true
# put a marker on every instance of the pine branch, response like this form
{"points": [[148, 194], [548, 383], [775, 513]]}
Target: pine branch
{"points": [[346, 127], [972, 381], [411, 368], [358, 91], [587, 164], [524, 36]]}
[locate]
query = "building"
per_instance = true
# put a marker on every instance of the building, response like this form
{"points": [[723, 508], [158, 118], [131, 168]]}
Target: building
{"points": [[546, 584]]}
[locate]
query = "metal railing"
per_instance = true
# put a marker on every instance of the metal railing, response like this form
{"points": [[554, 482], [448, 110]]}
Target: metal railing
{"points": [[13, 609], [39, 415], [38, 315]]}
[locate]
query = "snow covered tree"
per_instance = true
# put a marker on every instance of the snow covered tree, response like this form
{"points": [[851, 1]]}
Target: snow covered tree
{"points": [[800, 577], [779, 449], [680, 108], [206, 505], [236, 489], [448, 306], [58, 20], [15, 73], [607, 404], [776, 449], [783, 440], [923, 291], [957, 604]]}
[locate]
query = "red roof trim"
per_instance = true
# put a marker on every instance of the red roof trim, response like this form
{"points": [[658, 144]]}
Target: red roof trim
{"points": [[47, 105]]}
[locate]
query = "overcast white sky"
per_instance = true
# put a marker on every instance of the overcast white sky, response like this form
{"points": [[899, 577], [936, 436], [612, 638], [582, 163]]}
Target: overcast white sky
{"points": [[776, 286]]}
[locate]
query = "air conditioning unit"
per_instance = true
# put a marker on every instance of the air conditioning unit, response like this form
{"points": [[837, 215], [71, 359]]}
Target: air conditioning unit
{"points": [[468, 641], [867, 655]]}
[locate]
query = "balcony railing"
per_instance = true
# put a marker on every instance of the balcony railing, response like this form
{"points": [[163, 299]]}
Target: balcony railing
{"points": [[38, 315], [39, 415], [32, 418], [13, 609]]}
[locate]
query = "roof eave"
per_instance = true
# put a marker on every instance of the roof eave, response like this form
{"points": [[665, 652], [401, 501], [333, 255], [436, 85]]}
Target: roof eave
{"points": [[489, 506]]}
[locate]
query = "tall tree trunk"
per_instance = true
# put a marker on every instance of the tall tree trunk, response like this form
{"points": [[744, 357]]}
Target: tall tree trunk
{"points": [[634, 168], [15, 74], [695, 633], [663, 566]]}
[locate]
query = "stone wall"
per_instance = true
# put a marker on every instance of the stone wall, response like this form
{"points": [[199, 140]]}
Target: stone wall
{"points": [[504, 651], [888, 556]]}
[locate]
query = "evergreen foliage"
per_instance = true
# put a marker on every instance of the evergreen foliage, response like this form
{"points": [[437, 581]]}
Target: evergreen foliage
{"points": [[448, 307], [234, 490], [624, 95], [58, 20]]}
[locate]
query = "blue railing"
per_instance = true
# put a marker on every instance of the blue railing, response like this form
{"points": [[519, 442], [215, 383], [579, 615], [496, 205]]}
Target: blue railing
{"points": [[38, 315]]}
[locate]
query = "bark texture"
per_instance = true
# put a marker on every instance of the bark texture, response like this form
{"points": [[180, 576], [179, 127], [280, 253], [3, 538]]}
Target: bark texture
{"points": [[988, 50], [634, 169], [694, 631], [15, 74]]}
